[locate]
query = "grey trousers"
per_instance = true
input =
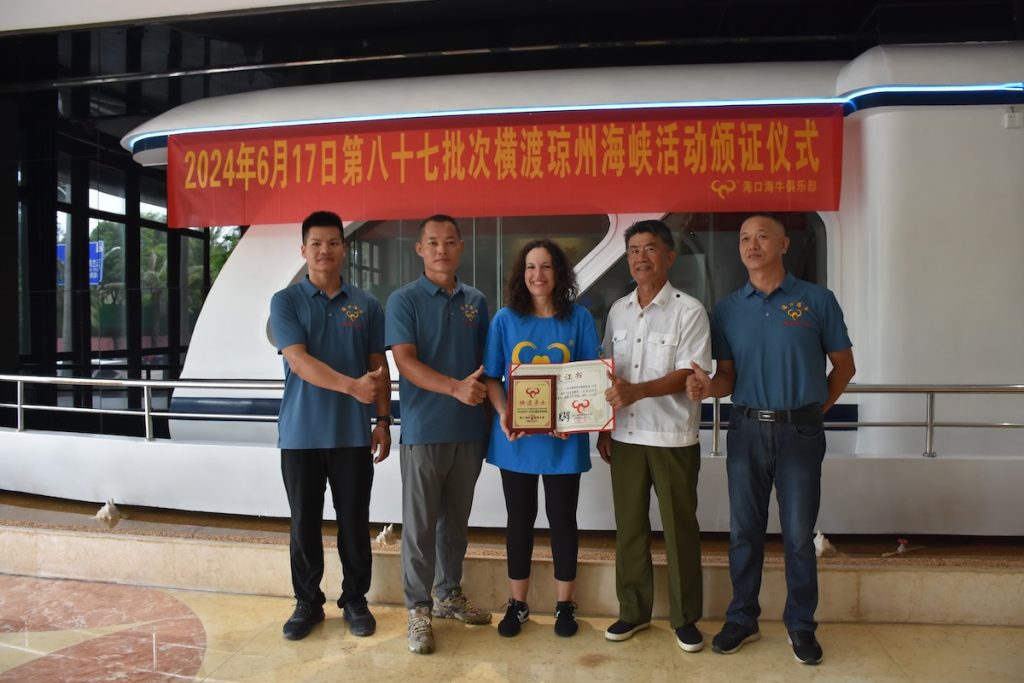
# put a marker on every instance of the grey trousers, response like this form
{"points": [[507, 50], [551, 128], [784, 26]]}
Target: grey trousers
{"points": [[438, 481]]}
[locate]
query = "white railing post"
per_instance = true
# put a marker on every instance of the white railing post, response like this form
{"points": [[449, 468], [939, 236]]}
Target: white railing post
{"points": [[21, 405], [716, 428], [929, 428], [147, 404]]}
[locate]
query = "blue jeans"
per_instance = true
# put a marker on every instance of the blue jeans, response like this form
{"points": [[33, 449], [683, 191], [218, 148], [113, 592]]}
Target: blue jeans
{"points": [[788, 455]]}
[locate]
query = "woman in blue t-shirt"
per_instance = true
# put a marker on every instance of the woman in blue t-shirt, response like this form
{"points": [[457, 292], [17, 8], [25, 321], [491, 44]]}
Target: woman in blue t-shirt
{"points": [[540, 324]]}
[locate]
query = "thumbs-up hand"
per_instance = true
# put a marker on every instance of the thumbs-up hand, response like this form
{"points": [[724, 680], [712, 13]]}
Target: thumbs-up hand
{"points": [[366, 388], [698, 385], [621, 393], [471, 390]]}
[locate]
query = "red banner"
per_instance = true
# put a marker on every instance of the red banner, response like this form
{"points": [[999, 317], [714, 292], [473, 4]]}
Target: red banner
{"points": [[765, 158]]}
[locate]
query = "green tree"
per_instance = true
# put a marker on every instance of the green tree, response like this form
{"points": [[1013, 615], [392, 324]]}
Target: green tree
{"points": [[153, 279], [107, 300], [222, 243]]}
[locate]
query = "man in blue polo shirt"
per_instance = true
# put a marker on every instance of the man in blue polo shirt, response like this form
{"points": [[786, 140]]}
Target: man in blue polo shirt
{"points": [[331, 335], [771, 339], [436, 328]]}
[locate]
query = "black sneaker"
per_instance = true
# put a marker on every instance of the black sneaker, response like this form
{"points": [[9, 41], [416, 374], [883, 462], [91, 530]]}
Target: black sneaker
{"points": [[565, 619], [733, 636], [360, 621], [689, 638], [623, 630], [302, 620], [805, 647], [515, 616]]}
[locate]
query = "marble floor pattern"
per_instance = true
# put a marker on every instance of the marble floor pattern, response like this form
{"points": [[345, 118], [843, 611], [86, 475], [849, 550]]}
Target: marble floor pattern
{"points": [[71, 631]]}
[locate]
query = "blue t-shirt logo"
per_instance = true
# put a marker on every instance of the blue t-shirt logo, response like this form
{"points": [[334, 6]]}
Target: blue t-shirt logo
{"points": [[526, 352]]}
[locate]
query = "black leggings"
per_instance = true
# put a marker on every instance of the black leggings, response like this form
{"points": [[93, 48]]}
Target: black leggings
{"points": [[561, 493]]}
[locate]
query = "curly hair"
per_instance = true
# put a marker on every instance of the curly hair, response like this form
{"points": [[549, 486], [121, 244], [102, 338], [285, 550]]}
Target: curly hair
{"points": [[517, 296]]}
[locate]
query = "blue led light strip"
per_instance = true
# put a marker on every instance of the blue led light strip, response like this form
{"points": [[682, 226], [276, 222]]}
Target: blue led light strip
{"points": [[858, 100]]}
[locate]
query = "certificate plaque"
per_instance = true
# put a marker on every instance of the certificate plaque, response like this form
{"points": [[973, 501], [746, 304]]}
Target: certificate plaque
{"points": [[578, 388], [531, 400]]}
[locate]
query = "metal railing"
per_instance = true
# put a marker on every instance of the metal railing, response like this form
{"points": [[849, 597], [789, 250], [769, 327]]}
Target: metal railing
{"points": [[929, 391], [148, 413]]}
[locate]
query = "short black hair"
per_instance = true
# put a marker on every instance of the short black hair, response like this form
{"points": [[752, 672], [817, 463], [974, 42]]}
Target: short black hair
{"points": [[438, 218], [322, 219], [777, 218], [657, 228]]}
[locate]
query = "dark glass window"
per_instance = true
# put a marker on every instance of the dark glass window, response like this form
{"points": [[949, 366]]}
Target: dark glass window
{"points": [[153, 279], [107, 297], [708, 265], [382, 255]]}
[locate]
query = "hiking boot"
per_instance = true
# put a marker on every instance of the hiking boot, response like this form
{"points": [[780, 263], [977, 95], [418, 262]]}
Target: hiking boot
{"points": [[456, 606], [623, 630], [565, 619], [805, 647], [689, 638], [515, 616], [733, 636], [302, 620], [360, 622], [421, 632]]}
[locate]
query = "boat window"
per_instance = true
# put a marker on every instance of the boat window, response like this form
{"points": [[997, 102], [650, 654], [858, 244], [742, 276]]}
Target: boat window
{"points": [[381, 254], [707, 264]]}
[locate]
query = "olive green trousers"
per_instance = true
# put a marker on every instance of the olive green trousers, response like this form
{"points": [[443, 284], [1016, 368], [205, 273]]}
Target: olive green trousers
{"points": [[673, 474]]}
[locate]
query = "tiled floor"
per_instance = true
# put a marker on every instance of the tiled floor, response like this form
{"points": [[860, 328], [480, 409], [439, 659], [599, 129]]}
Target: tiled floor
{"points": [[69, 631]]}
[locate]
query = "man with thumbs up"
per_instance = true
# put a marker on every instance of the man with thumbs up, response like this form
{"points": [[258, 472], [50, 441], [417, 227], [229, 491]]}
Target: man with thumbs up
{"points": [[436, 329], [772, 338], [654, 334], [331, 335]]}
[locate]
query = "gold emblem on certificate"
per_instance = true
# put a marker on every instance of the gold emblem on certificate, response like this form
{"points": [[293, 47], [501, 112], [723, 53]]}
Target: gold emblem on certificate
{"points": [[576, 396], [532, 399]]}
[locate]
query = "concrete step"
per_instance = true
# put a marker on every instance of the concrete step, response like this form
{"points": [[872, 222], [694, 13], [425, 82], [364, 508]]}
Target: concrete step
{"points": [[949, 586]]}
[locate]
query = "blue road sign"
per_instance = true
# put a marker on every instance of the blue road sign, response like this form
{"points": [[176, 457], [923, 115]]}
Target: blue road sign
{"points": [[95, 263]]}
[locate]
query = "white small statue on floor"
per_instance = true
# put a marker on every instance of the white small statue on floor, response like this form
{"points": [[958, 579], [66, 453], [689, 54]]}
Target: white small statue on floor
{"points": [[109, 514], [386, 537], [822, 547]]}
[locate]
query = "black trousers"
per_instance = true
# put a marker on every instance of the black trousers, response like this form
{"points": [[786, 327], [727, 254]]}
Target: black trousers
{"points": [[561, 494], [350, 473]]}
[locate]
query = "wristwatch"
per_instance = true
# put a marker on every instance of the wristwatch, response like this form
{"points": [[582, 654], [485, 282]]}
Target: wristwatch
{"points": [[386, 419]]}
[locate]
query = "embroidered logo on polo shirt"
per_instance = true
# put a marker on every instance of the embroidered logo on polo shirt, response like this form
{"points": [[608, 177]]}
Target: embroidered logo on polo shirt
{"points": [[795, 311], [352, 314], [470, 312]]}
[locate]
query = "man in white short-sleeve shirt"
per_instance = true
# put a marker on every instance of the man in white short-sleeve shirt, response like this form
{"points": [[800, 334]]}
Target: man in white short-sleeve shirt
{"points": [[654, 333]]}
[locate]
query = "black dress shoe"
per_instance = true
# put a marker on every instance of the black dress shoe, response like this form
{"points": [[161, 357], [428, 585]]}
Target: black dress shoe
{"points": [[302, 621], [360, 621]]}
